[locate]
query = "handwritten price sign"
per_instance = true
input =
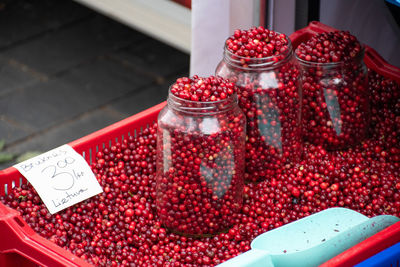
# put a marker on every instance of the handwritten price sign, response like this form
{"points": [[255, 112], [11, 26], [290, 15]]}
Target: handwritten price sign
{"points": [[61, 177]]}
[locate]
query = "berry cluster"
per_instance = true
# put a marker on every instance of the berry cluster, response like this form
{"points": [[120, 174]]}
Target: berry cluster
{"points": [[200, 163], [383, 90], [121, 227], [273, 122], [200, 190], [329, 47], [257, 42], [269, 95], [335, 110], [202, 89]]}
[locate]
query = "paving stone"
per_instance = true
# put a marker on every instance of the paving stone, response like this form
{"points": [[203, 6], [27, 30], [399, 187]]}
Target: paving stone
{"points": [[47, 104], [104, 80], [41, 105], [10, 132], [140, 101], [65, 133], [154, 57], [62, 75], [20, 20], [13, 77], [144, 99], [68, 47]]}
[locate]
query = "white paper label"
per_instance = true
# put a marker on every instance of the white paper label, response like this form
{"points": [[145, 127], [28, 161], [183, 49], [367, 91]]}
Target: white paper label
{"points": [[61, 177]]}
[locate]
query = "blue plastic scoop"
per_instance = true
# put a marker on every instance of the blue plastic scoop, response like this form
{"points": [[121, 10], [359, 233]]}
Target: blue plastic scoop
{"points": [[312, 240]]}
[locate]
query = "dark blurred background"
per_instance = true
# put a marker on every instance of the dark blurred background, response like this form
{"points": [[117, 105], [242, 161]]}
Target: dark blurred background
{"points": [[67, 71]]}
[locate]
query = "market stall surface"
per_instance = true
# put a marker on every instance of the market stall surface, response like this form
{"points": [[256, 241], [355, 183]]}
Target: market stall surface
{"points": [[67, 71]]}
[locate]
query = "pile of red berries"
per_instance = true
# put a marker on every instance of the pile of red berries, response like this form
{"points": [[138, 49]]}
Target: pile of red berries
{"points": [[329, 47], [273, 123], [335, 110], [121, 227], [258, 42], [202, 89], [200, 158], [383, 91], [262, 65], [200, 190]]}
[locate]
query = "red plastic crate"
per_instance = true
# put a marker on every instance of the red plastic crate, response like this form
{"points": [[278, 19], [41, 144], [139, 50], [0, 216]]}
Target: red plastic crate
{"points": [[21, 246], [185, 3], [367, 248], [390, 235]]}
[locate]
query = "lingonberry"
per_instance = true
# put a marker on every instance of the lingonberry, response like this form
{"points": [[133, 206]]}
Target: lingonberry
{"points": [[383, 91], [200, 158], [261, 63], [329, 47], [203, 89], [335, 110], [257, 42]]}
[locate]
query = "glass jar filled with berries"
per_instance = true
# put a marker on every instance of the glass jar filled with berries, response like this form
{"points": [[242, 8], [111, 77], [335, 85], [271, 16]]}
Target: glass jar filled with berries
{"points": [[261, 63], [335, 90], [200, 157]]}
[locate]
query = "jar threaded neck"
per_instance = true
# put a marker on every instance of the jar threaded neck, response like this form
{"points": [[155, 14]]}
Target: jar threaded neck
{"points": [[357, 59], [201, 107], [248, 63]]}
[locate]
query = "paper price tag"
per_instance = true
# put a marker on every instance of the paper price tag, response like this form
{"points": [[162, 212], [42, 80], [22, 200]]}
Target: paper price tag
{"points": [[61, 177]]}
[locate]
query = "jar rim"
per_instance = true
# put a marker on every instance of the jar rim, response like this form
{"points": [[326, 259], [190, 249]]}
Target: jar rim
{"points": [[233, 96], [190, 106], [358, 57], [263, 62]]}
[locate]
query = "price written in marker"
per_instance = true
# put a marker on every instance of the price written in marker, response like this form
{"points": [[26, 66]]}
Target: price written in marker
{"points": [[61, 177]]}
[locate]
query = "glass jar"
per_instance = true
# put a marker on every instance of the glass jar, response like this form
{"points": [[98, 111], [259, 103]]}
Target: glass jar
{"points": [[200, 165], [335, 102], [269, 95]]}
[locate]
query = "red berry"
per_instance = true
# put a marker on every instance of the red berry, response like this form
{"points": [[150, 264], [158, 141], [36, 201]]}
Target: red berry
{"points": [[335, 110], [202, 89], [268, 82]]}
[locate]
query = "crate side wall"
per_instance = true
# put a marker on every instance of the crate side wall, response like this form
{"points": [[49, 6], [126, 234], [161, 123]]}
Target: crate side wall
{"points": [[89, 145]]}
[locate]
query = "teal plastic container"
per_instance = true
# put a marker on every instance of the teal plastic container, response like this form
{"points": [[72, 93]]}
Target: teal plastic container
{"points": [[312, 240]]}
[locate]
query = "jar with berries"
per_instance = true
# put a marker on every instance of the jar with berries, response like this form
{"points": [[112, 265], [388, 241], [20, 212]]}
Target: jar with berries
{"points": [[200, 157], [261, 63], [335, 90]]}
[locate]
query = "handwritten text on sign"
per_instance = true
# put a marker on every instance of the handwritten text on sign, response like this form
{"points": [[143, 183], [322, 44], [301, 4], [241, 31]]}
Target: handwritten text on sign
{"points": [[61, 177]]}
